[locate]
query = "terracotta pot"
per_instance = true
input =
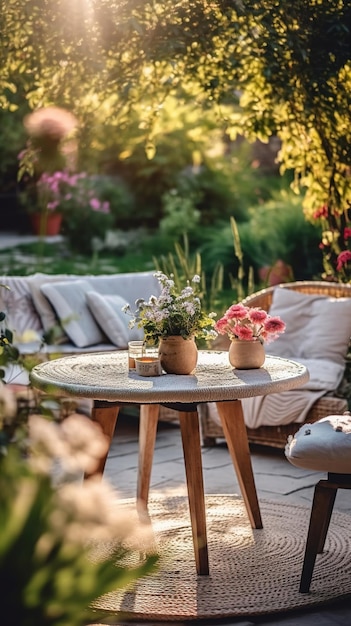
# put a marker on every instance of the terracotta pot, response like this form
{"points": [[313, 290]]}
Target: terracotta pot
{"points": [[275, 274], [178, 355], [46, 225], [246, 355]]}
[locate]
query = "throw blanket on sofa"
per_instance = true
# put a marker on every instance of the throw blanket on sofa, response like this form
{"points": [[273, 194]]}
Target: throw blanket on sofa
{"points": [[279, 409], [290, 406], [294, 405]]}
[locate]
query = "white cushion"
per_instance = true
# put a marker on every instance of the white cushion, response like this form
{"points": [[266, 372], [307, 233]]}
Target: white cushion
{"points": [[317, 327], [324, 446], [44, 309], [107, 311], [69, 301]]}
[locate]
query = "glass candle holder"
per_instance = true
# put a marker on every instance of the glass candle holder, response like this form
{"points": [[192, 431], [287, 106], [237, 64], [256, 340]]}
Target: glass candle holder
{"points": [[136, 350]]}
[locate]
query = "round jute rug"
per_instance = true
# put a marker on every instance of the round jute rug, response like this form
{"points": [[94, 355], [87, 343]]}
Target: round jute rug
{"points": [[252, 572]]}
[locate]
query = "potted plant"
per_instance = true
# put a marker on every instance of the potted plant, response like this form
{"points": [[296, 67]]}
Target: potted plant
{"points": [[248, 328], [174, 319], [51, 146], [45, 215], [70, 199]]}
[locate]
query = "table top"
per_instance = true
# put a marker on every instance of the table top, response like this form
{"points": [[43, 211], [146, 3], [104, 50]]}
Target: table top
{"points": [[105, 376]]}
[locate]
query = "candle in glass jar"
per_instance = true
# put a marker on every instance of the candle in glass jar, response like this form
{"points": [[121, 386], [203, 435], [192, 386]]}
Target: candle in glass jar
{"points": [[135, 350]]}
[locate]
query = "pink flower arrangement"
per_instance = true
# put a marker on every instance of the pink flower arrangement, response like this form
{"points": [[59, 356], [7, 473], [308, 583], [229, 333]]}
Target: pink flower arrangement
{"points": [[248, 323]]}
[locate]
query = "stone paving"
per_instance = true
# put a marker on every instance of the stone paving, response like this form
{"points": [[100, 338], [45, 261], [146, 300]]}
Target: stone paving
{"points": [[10, 240]]}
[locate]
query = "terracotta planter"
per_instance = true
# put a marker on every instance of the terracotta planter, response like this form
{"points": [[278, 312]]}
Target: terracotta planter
{"points": [[246, 355], [275, 274], [178, 355], [46, 225]]}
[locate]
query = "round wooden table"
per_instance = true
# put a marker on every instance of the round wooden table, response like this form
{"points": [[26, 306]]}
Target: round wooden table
{"points": [[106, 379]]}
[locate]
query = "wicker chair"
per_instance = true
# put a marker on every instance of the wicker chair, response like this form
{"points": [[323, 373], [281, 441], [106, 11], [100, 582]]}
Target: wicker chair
{"points": [[276, 436]]}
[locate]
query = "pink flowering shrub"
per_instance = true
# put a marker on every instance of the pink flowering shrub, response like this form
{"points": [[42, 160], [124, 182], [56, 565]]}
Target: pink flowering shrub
{"points": [[335, 243], [247, 323], [66, 192], [86, 214]]}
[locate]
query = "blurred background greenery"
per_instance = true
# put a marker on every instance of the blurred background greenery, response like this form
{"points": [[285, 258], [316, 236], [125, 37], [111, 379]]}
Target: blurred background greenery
{"points": [[196, 182], [182, 137]]}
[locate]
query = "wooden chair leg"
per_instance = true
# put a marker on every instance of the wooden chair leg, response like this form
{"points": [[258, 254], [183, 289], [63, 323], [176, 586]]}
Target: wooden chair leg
{"points": [[148, 421], [189, 426], [234, 428], [322, 508], [329, 505]]}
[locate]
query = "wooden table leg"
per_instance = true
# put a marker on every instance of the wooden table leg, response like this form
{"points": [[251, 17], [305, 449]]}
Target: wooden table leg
{"points": [[234, 428], [105, 414], [148, 421], [189, 426]]}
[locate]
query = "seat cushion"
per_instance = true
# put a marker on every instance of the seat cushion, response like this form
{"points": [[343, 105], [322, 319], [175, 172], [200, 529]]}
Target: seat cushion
{"points": [[324, 446]]}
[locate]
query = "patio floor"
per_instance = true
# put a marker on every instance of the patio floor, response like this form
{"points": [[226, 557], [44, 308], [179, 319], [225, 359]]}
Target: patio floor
{"points": [[276, 479]]}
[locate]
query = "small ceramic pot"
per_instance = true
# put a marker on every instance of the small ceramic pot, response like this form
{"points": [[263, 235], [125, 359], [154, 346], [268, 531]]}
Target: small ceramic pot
{"points": [[178, 355], [246, 354]]}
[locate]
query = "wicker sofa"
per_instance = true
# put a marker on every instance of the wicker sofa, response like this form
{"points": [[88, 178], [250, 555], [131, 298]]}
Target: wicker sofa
{"points": [[329, 404]]}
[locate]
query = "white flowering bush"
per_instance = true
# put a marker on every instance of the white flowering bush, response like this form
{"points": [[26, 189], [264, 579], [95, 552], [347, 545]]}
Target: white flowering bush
{"points": [[51, 571], [173, 312]]}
